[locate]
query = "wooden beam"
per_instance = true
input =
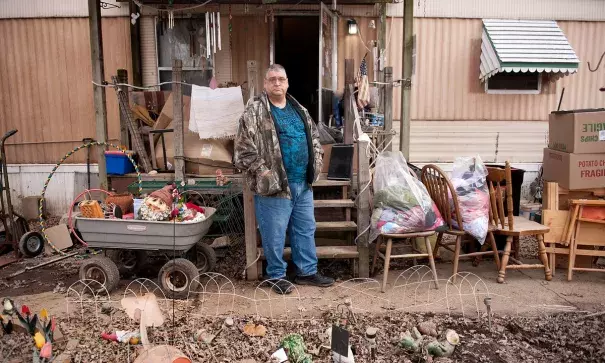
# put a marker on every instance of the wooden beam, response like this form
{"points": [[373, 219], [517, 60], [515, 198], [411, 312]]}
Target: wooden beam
{"points": [[363, 210], [135, 46], [388, 105], [381, 45], [406, 92], [177, 120], [550, 196], [98, 76], [252, 272], [252, 79], [349, 123], [124, 140]]}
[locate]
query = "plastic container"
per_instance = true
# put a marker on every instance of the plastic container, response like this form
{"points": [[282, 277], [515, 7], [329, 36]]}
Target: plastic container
{"points": [[143, 235], [118, 163]]}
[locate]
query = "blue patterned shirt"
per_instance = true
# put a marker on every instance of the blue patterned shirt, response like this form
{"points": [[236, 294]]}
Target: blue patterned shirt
{"points": [[293, 141]]}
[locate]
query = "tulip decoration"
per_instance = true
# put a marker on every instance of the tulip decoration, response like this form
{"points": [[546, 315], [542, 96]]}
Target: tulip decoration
{"points": [[28, 321], [8, 306], [7, 328]]}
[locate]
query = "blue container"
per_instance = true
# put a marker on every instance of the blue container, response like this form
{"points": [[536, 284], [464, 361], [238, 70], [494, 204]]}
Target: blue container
{"points": [[118, 163]]}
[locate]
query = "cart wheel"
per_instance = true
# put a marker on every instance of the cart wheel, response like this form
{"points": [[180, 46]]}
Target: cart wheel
{"points": [[101, 269], [205, 258], [31, 244], [129, 262], [176, 277]]}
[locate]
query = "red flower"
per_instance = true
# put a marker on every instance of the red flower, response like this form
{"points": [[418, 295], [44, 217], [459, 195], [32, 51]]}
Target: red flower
{"points": [[25, 310]]}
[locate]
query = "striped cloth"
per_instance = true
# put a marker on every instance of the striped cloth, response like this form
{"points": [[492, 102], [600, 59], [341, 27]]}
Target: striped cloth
{"points": [[363, 85]]}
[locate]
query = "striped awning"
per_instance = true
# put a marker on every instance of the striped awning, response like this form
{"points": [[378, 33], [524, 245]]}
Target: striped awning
{"points": [[525, 46]]}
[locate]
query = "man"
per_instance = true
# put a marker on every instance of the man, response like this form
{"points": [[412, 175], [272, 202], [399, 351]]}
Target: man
{"points": [[277, 145]]}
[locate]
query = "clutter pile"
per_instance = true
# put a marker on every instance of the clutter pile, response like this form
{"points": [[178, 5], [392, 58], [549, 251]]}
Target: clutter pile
{"points": [[164, 204], [469, 181], [401, 202]]}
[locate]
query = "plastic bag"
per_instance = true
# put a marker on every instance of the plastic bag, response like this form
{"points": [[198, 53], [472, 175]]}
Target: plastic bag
{"points": [[401, 202], [324, 135], [469, 181]]}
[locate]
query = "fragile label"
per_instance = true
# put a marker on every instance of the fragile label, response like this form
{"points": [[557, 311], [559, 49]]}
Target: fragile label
{"points": [[602, 135], [206, 151]]}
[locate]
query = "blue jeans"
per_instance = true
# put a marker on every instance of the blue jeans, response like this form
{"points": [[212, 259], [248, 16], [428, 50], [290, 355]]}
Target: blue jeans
{"points": [[275, 216]]}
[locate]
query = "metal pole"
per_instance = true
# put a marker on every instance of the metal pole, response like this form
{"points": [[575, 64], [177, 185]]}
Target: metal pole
{"points": [[406, 92], [98, 76], [177, 112]]}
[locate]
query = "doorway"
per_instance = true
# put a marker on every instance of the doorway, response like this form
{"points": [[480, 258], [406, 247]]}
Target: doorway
{"points": [[297, 49]]}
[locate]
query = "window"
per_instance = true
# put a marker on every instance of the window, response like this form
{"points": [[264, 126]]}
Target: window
{"points": [[514, 83], [185, 41]]}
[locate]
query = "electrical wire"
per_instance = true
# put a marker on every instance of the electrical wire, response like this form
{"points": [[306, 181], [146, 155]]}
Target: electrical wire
{"points": [[112, 85]]}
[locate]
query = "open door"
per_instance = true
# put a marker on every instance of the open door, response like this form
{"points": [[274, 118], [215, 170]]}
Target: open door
{"points": [[328, 54]]}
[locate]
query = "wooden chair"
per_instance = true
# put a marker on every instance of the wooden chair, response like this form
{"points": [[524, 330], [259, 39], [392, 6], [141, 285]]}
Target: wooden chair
{"points": [[387, 256], [512, 226], [440, 188]]}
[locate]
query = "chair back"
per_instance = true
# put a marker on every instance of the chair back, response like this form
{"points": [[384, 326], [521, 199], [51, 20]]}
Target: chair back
{"points": [[497, 215], [440, 189]]}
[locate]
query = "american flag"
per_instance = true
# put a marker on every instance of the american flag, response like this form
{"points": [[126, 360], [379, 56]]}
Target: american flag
{"points": [[363, 68]]}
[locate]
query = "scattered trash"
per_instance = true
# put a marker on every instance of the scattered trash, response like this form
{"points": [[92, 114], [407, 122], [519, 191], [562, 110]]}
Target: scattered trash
{"points": [[411, 341], [221, 242], [123, 336], [60, 288], [206, 337], [253, 330], [415, 342], [279, 356]]}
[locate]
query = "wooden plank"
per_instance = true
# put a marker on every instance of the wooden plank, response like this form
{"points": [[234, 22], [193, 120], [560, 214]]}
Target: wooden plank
{"points": [[585, 252], [135, 47], [252, 79], [252, 272], [572, 225], [336, 226], [124, 141], [325, 252], [591, 220], [335, 203], [550, 199], [331, 183], [388, 105], [349, 122], [589, 233], [588, 202], [98, 76], [363, 209], [555, 220], [177, 120]]}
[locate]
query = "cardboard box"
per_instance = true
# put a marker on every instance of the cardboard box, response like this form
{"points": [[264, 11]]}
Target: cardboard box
{"points": [[574, 171], [579, 132]]}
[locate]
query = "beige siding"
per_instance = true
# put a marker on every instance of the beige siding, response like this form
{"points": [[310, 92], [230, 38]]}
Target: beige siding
{"points": [[11, 9], [446, 83], [46, 81], [586, 10]]}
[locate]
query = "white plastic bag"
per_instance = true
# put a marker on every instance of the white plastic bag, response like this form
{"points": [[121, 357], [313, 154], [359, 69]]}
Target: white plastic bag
{"points": [[401, 202], [469, 181]]}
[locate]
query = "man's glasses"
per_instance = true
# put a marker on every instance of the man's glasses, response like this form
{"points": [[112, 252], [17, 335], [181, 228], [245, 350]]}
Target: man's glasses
{"points": [[276, 79]]}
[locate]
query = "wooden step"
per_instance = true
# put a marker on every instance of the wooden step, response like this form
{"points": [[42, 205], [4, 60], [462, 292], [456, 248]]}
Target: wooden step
{"points": [[325, 252], [344, 226], [334, 203], [332, 183]]}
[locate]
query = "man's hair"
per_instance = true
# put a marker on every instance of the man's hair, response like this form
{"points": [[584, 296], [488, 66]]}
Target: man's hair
{"points": [[275, 68]]}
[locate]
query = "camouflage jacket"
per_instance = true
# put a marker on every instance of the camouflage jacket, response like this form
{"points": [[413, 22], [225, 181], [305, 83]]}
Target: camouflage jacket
{"points": [[257, 148]]}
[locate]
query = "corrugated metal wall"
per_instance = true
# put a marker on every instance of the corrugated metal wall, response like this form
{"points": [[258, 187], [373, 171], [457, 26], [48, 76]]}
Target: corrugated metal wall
{"points": [[11, 9], [45, 72]]}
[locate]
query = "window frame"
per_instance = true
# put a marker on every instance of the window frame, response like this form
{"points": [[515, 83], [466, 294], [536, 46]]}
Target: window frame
{"points": [[514, 91]]}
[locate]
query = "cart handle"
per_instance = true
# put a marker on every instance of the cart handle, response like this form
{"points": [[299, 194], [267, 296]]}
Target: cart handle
{"points": [[8, 134]]}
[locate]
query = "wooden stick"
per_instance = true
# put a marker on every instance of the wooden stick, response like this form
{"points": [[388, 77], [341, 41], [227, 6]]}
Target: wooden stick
{"points": [[524, 267]]}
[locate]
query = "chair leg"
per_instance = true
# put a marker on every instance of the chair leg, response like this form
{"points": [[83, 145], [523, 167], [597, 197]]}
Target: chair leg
{"points": [[457, 257], [572, 259], [437, 244], [429, 251], [492, 241], [504, 261], [543, 257], [378, 244], [387, 261], [553, 257]]}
